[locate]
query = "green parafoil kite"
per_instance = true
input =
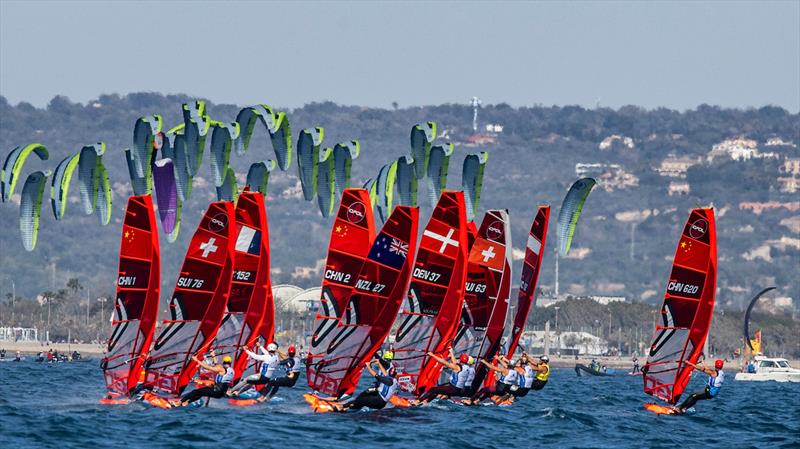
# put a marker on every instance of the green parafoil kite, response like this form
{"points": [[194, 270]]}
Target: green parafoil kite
{"points": [[472, 181], [144, 134], [326, 182], [30, 208], [221, 143], [59, 187], [12, 167], [343, 156], [138, 183], [570, 212], [104, 196], [229, 190], [277, 125], [258, 175], [89, 161], [384, 188], [406, 181], [422, 137], [308, 144], [438, 166]]}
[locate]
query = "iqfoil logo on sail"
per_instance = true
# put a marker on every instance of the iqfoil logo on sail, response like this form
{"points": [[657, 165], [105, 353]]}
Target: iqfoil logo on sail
{"points": [[698, 228], [218, 222], [356, 212]]}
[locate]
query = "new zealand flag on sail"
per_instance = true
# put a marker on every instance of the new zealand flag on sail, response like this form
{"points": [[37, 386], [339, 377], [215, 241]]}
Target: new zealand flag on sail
{"points": [[389, 251], [249, 240]]}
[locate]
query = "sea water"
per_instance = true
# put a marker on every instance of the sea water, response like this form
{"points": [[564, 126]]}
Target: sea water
{"points": [[55, 406]]}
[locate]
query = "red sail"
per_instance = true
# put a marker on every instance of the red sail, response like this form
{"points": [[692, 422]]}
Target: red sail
{"points": [[198, 303], [432, 309], [531, 266], [372, 306], [136, 305], [486, 292], [351, 237], [247, 305], [682, 329]]}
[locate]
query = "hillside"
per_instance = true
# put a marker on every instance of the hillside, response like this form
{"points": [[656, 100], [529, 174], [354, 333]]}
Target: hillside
{"points": [[643, 160]]}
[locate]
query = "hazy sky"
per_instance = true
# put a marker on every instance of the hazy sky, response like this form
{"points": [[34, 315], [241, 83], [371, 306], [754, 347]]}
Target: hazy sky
{"points": [[652, 54]]}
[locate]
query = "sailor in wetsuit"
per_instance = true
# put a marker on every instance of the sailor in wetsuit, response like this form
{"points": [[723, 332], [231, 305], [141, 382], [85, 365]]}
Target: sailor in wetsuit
{"points": [[508, 378], [636, 369], [715, 379], [222, 380], [378, 395], [460, 373], [532, 376], [269, 359], [291, 363]]}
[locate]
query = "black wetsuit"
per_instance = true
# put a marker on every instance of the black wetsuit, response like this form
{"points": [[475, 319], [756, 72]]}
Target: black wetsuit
{"points": [[374, 397], [291, 365], [216, 391]]}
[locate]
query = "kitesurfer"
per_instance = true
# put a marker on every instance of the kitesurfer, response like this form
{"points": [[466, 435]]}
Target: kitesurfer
{"points": [[378, 395], [716, 377], [461, 373], [290, 363], [222, 380], [269, 359], [508, 378], [18, 357]]}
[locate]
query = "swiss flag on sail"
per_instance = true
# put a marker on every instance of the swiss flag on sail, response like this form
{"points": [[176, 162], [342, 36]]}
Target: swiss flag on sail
{"points": [[440, 238], [209, 247], [486, 253]]}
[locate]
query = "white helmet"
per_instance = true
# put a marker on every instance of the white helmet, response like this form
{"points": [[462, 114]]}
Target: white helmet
{"points": [[272, 347]]}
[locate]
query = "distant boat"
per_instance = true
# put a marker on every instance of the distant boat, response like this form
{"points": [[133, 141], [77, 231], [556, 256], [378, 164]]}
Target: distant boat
{"points": [[583, 370], [774, 369]]}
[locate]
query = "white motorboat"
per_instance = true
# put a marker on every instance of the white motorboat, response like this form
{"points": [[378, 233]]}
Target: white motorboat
{"points": [[767, 368]]}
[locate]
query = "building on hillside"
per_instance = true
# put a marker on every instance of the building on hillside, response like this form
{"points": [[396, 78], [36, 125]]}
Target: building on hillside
{"points": [[789, 184], [738, 149], [676, 167], [479, 139], [790, 166], [678, 188], [779, 142], [609, 176], [616, 142], [758, 208]]}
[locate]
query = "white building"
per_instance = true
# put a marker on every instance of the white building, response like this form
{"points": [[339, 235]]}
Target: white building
{"points": [[581, 343]]}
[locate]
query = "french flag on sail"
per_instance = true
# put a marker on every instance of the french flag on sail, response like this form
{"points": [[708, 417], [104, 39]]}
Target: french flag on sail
{"points": [[249, 240]]}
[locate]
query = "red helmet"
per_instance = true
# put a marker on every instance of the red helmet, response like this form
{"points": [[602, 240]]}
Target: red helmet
{"points": [[291, 350], [719, 363], [463, 358]]}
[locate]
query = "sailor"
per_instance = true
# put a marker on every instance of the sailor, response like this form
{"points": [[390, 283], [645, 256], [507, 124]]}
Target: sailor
{"points": [[386, 359], [532, 376], [291, 363], [18, 357], [716, 377], [269, 359], [471, 376], [222, 380], [594, 365], [378, 395], [460, 373], [636, 369], [508, 378]]}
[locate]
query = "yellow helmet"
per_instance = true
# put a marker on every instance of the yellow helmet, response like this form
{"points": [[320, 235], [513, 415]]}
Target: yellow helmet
{"points": [[471, 360], [227, 359], [388, 355]]}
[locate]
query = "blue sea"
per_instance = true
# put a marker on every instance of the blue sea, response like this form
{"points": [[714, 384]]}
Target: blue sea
{"points": [[55, 406]]}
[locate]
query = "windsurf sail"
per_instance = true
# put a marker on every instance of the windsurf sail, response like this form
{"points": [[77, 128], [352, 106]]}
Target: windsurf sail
{"points": [[487, 288], [531, 266], [432, 308], [198, 303], [137, 299], [247, 303], [351, 237], [682, 328], [372, 306]]}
